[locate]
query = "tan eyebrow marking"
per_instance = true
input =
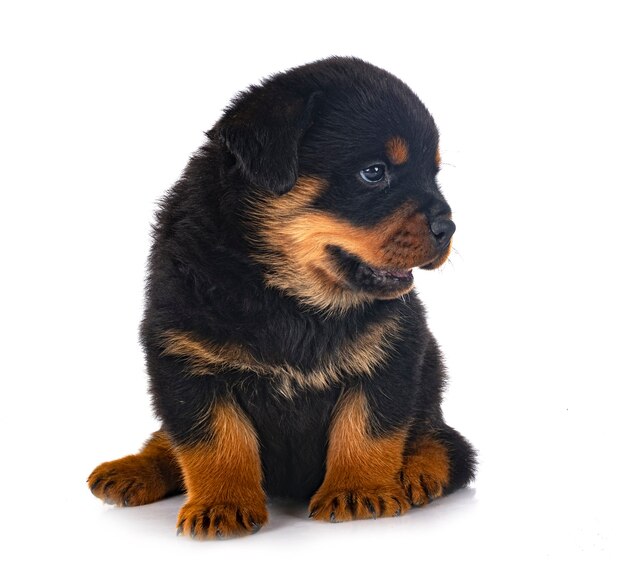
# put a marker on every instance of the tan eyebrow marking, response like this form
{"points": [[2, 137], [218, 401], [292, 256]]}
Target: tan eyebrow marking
{"points": [[397, 150]]}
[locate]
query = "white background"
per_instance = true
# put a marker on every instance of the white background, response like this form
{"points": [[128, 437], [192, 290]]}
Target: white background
{"points": [[102, 103]]}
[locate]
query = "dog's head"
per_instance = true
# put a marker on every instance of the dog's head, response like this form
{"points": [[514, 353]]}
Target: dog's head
{"points": [[341, 160]]}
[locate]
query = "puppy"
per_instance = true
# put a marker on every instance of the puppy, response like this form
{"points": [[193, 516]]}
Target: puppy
{"points": [[287, 351]]}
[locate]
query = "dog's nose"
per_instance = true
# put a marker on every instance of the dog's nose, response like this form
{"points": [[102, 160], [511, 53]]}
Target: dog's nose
{"points": [[442, 230]]}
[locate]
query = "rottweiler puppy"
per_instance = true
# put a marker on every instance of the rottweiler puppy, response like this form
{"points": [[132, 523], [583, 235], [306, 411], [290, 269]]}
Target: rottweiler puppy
{"points": [[287, 351]]}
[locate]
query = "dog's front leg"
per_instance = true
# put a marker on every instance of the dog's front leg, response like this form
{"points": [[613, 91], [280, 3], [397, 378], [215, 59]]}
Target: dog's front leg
{"points": [[362, 469], [222, 475]]}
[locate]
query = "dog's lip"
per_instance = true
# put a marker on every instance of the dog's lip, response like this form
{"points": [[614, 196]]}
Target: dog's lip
{"points": [[389, 273]]}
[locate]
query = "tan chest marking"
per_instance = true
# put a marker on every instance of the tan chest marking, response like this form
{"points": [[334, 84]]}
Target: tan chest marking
{"points": [[360, 356]]}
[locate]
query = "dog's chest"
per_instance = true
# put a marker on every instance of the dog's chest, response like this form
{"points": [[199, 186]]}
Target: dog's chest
{"points": [[315, 362], [289, 364]]}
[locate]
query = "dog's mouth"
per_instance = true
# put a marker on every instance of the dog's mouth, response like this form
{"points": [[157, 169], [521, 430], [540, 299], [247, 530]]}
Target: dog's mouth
{"points": [[381, 282]]}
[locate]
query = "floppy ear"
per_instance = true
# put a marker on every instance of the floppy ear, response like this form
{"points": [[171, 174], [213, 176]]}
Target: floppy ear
{"points": [[262, 130]]}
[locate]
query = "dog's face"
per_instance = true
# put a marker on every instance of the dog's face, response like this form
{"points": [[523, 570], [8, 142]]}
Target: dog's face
{"points": [[347, 203]]}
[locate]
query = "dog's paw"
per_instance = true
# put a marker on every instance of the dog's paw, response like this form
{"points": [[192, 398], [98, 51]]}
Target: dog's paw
{"points": [[421, 487], [358, 503], [129, 481], [220, 520], [426, 473]]}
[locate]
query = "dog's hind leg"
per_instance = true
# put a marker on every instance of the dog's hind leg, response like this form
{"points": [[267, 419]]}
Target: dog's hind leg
{"points": [[150, 475], [437, 463]]}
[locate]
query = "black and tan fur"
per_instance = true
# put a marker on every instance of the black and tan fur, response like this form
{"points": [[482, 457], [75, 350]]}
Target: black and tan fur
{"points": [[288, 353]]}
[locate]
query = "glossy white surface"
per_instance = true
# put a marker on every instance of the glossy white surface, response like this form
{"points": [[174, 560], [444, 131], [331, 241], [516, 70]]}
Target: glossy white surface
{"points": [[101, 107]]}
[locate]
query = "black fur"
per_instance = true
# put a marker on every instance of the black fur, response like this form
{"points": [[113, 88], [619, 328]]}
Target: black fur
{"points": [[328, 119]]}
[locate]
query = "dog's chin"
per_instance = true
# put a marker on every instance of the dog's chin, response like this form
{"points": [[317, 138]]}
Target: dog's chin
{"points": [[382, 283], [439, 261]]}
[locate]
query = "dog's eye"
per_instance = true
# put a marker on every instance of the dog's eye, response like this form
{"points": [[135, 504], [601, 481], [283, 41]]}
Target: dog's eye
{"points": [[373, 173]]}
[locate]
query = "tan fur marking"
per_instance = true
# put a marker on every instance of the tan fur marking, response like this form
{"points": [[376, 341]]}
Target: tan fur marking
{"points": [[426, 471], [397, 150], [223, 478], [361, 471], [202, 354], [142, 478], [356, 357], [297, 236], [437, 157]]}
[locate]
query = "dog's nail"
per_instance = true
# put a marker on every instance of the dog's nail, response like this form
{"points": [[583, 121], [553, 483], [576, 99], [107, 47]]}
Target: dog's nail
{"points": [[370, 507], [332, 517]]}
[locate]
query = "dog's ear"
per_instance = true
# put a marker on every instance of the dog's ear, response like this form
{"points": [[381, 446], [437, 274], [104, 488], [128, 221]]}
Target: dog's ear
{"points": [[262, 130]]}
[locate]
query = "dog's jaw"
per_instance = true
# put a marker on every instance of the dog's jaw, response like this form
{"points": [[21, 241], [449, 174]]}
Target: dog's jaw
{"points": [[328, 262]]}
